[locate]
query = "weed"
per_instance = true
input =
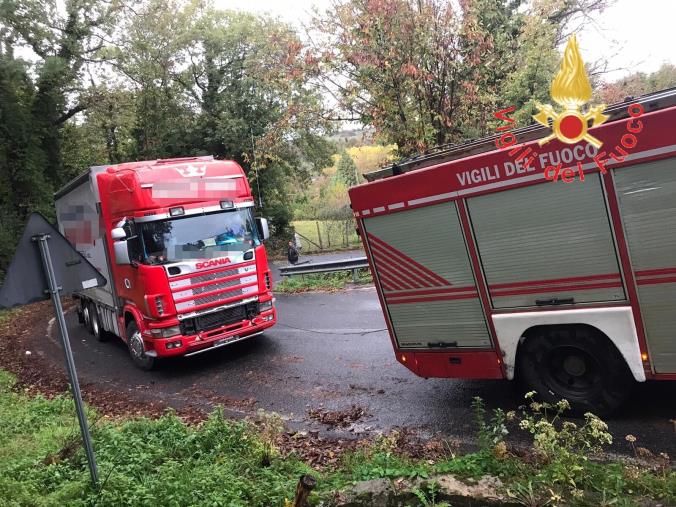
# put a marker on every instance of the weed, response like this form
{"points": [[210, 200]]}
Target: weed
{"points": [[270, 426], [428, 495]]}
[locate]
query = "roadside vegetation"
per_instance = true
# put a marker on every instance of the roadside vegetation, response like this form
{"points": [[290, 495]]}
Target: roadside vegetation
{"points": [[322, 281], [326, 235], [166, 461], [100, 82]]}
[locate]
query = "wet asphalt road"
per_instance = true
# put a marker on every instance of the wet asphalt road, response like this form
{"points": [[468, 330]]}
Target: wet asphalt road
{"points": [[330, 350]]}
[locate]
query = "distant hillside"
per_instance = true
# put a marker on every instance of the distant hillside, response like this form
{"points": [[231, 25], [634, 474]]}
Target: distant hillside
{"points": [[348, 138]]}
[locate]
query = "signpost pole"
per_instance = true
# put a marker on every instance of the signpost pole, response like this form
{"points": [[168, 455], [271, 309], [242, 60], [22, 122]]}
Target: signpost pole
{"points": [[65, 342]]}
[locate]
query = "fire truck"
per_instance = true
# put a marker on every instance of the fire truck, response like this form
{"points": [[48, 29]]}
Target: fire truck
{"points": [[490, 268], [183, 255]]}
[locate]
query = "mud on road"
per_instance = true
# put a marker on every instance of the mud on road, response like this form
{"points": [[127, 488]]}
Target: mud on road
{"points": [[327, 368]]}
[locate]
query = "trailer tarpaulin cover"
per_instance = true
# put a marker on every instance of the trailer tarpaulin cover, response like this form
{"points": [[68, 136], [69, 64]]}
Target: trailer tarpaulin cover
{"points": [[26, 282]]}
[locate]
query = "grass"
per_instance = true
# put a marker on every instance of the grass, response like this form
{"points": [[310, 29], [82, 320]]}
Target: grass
{"points": [[332, 235], [235, 463], [321, 281], [141, 461]]}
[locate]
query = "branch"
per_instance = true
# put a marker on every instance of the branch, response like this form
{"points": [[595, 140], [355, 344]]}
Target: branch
{"points": [[70, 113]]}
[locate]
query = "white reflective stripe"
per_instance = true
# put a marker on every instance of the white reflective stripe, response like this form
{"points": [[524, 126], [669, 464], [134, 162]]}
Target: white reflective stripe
{"points": [[177, 284], [396, 205], [648, 153], [366, 212], [432, 198], [379, 209], [499, 184], [185, 304]]}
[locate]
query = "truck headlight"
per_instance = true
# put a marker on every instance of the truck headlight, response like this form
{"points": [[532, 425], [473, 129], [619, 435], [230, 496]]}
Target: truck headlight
{"points": [[265, 306], [165, 332]]}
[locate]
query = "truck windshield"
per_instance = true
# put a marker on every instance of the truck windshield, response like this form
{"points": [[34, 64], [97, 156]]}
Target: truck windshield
{"points": [[197, 237]]}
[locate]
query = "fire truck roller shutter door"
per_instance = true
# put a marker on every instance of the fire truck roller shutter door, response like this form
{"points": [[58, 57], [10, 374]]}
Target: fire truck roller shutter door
{"points": [[424, 271], [547, 244], [647, 197]]}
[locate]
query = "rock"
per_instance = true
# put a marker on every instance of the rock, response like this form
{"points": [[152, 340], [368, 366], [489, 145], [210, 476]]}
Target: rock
{"points": [[384, 493]]}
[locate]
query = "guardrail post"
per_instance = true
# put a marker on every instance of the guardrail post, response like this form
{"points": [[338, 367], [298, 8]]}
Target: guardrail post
{"points": [[319, 236], [354, 275]]}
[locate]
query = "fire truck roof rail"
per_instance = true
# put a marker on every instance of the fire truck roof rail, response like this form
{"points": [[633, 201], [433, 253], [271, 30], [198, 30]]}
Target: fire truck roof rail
{"points": [[204, 158], [448, 152]]}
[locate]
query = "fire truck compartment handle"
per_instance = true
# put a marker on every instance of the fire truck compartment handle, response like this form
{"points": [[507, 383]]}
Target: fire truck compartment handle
{"points": [[442, 344], [555, 301]]}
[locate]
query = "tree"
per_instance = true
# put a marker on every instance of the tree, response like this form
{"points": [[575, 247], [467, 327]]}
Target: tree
{"points": [[63, 36], [38, 98], [637, 84], [430, 72], [228, 84], [347, 169]]}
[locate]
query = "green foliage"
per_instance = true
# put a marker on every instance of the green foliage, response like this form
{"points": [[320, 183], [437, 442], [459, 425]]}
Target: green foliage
{"points": [[638, 83], [347, 169], [491, 432], [321, 281], [427, 496], [236, 463], [141, 462], [334, 234], [429, 72]]}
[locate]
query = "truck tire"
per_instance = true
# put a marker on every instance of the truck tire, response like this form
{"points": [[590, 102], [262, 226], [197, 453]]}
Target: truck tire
{"points": [[97, 330], [137, 349], [87, 316], [576, 363]]}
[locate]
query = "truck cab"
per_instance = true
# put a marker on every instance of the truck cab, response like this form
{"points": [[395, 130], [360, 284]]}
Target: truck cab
{"points": [[183, 253]]}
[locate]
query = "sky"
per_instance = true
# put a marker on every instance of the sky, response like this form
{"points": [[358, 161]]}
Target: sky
{"points": [[635, 35]]}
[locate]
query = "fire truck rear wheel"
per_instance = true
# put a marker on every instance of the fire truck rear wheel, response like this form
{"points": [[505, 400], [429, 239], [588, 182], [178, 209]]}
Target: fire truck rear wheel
{"points": [[576, 363], [137, 349]]}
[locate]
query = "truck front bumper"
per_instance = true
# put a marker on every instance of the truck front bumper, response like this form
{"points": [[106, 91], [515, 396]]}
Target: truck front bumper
{"points": [[204, 341]]}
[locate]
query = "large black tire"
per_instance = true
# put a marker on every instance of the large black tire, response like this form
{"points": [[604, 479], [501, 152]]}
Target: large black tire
{"points": [[577, 363], [95, 320], [137, 349]]}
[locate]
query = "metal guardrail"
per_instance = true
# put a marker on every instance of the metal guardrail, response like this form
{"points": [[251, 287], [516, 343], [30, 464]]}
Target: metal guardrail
{"points": [[353, 265]]}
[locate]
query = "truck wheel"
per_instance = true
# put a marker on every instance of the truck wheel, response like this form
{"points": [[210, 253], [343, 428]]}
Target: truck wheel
{"points": [[97, 330], [87, 317], [137, 349], [576, 363]]}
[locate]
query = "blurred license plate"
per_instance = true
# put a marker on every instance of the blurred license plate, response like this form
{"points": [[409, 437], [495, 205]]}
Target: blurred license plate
{"points": [[223, 341]]}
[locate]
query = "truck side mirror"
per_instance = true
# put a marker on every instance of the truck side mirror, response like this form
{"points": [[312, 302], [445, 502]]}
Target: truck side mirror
{"points": [[263, 229], [118, 233], [121, 252]]}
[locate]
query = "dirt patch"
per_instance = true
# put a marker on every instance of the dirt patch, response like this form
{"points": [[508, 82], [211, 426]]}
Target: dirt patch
{"points": [[197, 393], [318, 452], [337, 418], [37, 374]]}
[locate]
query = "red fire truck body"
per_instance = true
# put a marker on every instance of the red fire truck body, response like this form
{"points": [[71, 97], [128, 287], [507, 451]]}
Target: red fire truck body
{"points": [[183, 255], [486, 269]]}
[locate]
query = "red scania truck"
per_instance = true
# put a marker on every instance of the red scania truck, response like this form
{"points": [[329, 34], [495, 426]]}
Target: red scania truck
{"points": [[181, 250], [487, 268]]}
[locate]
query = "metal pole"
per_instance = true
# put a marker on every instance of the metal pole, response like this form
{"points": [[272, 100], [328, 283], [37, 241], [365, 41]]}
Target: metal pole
{"points": [[70, 364]]}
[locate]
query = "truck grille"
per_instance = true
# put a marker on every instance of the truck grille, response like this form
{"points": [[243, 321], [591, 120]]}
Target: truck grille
{"points": [[189, 298], [218, 319], [217, 297], [212, 276]]}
